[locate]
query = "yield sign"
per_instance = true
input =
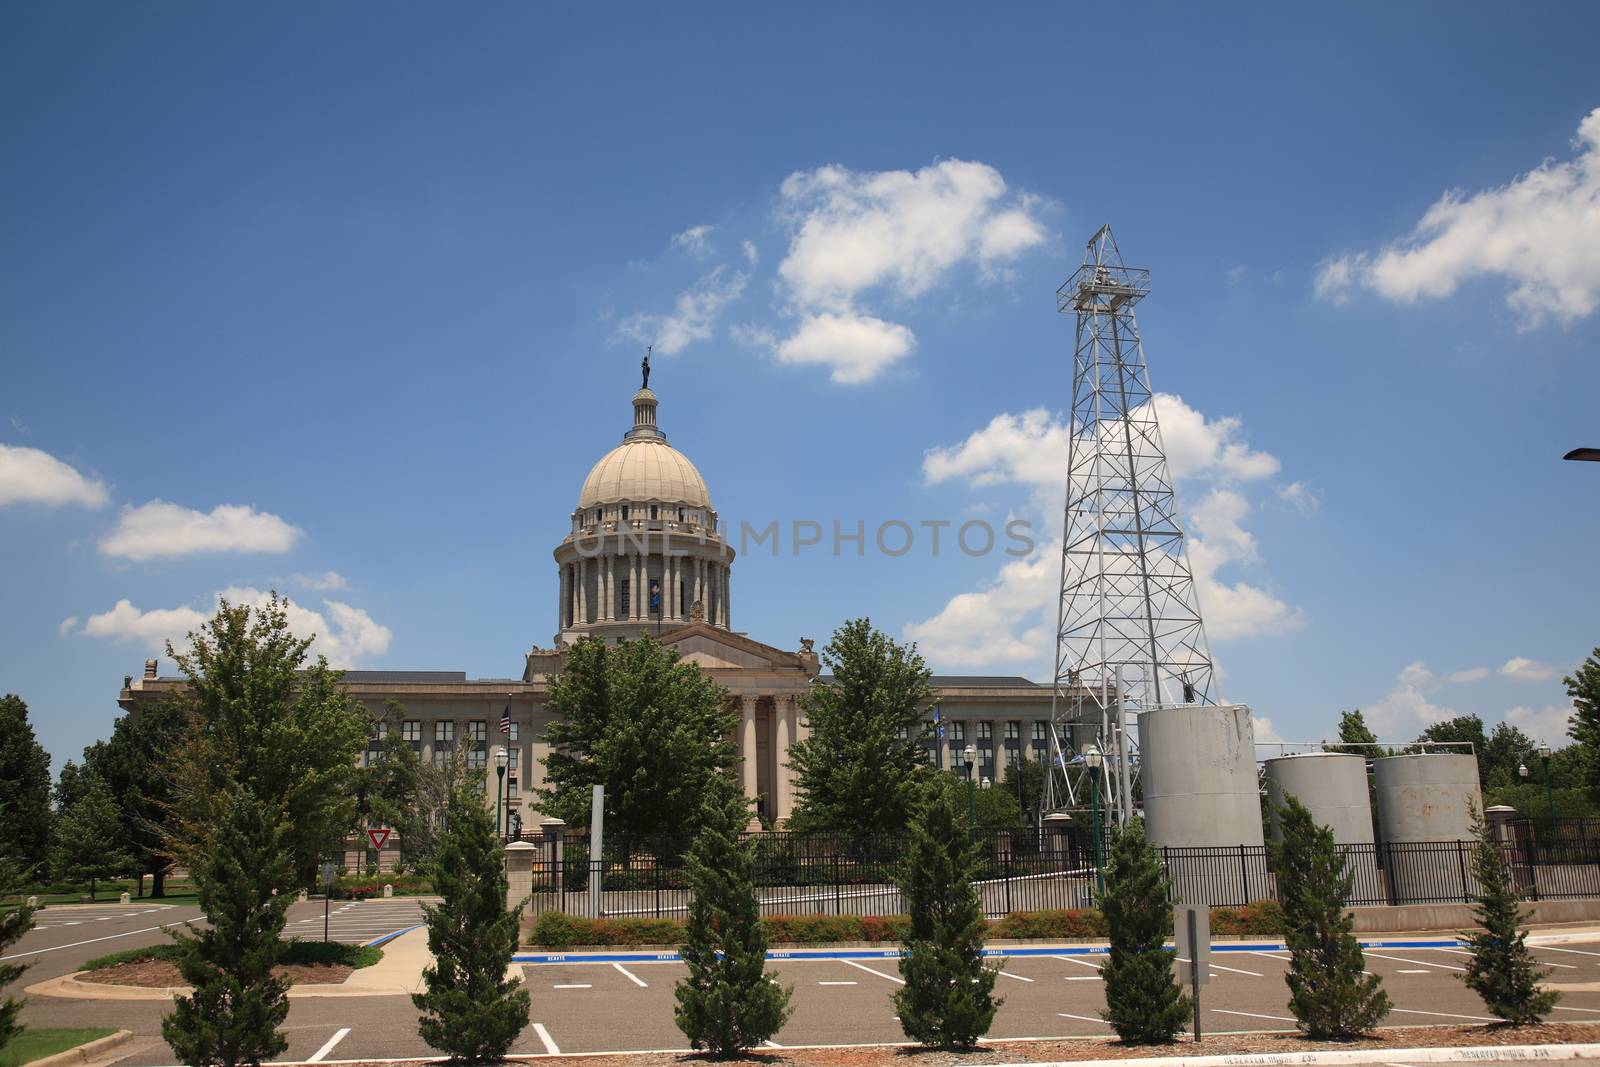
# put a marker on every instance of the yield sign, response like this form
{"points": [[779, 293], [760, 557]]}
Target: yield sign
{"points": [[379, 838]]}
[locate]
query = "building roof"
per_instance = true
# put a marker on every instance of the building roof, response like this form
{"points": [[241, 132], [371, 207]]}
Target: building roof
{"points": [[971, 681]]}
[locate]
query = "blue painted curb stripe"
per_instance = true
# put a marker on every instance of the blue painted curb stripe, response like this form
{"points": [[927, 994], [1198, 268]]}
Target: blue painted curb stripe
{"points": [[894, 953], [386, 938]]}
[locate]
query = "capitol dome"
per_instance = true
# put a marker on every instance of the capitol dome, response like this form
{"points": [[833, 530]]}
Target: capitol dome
{"points": [[644, 469]]}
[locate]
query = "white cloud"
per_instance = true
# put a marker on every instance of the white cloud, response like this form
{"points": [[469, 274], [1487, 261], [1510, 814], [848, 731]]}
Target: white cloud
{"points": [[1010, 620], [1471, 674], [897, 233], [693, 316], [1522, 669], [694, 240], [159, 529], [855, 347], [1298, 495], [324, 581], [66, 625], [1547, 724], [751, 256], [28, 475], [1405, 710], [1540, 232], [1264, 730], [346, 635]]}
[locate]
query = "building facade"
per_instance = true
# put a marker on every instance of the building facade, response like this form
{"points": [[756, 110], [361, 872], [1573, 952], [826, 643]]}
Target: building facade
{"points": [[644, 552]]}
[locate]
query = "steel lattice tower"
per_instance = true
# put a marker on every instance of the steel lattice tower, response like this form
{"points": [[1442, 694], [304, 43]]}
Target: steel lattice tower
{"points": [[1128, 628]]}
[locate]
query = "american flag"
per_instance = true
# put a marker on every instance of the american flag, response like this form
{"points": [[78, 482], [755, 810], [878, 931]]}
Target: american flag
{"points": [[505, 720]]}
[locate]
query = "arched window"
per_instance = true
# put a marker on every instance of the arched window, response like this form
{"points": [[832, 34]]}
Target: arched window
{"points": [[624, 513]]}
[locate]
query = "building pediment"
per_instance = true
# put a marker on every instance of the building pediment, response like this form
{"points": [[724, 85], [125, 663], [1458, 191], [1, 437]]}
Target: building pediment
{"points": [[711, 647]]}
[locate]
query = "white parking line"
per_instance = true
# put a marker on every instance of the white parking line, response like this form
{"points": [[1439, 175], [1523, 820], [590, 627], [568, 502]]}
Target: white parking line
{"points": [[90, 941], [575, 985], [1018, 977], [338, 1036], [1220, 967], [1085, 1018], [862, 967], [1422, 963], [635, 979], [1574, 951], [838, 983], [1254, 1015], [1591, 1011], [1272, 956], [1403, 970], [1084, 978], [1080, 963], [544, 1036], [1446, 1015]]}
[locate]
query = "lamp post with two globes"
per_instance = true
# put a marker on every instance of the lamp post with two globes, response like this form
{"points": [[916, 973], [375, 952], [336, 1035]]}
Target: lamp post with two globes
{"points": [[1094, 759], [501, 758], [969, 754]]}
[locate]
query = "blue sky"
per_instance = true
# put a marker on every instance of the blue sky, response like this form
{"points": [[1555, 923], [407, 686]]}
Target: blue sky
{"points": [[346, 301]]}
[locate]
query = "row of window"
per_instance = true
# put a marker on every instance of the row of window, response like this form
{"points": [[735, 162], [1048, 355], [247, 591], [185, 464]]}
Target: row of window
{"points": [[444, 735], [655, 513]]}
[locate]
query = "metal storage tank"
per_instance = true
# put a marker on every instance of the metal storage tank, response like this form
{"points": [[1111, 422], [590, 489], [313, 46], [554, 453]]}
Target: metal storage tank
{"points": [[1427, 797], [1333, 785], [1202, 800], [1425, 805]]}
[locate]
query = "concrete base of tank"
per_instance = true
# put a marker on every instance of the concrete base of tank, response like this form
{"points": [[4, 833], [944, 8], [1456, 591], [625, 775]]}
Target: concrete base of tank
{"points": [[1403, 918]]}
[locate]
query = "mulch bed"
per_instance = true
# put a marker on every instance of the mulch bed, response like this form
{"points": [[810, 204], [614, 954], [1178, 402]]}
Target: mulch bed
{"points": [[1101, 1049], [163, 974]]}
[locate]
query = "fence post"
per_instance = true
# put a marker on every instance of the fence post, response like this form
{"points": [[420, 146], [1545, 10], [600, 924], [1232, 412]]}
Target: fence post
{"points": [[1533, 866], [1388, 872], [838, 876], [655, 869], [1461, 861], [1244, 870], [1010, 840]]}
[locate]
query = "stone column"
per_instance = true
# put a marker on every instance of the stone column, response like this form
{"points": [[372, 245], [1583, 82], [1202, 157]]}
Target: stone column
{"points": [[564, 585], [727, 596], [583, 599], [519, 877], [783, 727], [747, 744], [608, 599], [697, 582], [669, 586]]}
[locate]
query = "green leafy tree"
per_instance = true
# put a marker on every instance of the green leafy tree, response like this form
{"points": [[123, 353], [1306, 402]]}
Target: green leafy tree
{"points": [[89, 835], [265, 720], [242, 876], [391, 792], [1330, 996], [860, 771], [1144, 1003], [948, 998], [1583, 686], [24, 790], [1355, 737], [1506, 751], [727, 1003], [15, 921], [471, 1011], [71, 784], [1024, 781], [994, 809], [1502, 971], [652, 729], [137, 763]]}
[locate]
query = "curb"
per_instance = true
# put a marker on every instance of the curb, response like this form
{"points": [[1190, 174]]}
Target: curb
{"points": [[1465, 1054], [85, 1052]]}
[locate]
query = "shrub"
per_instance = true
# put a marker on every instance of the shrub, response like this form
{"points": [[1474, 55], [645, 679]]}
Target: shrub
{"points": [[1051, 924], [1258, 917]]}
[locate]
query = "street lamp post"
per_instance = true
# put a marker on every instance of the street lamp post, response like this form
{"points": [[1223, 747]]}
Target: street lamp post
{"points": [[969, 754], [1093, 759], [1549, 791], [501, 758]]}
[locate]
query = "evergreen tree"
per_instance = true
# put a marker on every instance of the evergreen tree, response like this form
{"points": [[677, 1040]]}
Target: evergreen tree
{"points": [[15, 921], [24, 791], [1144, 1003], [1502, 971], [242, 877], [948, 997], [651, 728], [860, 771], [471, 1011], [1583, 686], [137, 763], [265, 719], [89, 843], [727, 1003], [1328, 993]]}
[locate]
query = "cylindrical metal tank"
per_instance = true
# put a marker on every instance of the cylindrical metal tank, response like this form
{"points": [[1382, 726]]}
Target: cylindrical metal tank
{"points": [[1425, 805], [1198, 770], [1332, 785], [1426, 797]]}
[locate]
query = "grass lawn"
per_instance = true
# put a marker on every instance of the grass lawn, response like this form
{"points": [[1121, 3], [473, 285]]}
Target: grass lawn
{"points": [[295, 952], [34, 1044], [108, 892]]}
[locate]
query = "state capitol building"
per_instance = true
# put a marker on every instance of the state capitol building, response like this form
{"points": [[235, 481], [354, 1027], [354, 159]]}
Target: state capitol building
{"points": [[643, 550]]}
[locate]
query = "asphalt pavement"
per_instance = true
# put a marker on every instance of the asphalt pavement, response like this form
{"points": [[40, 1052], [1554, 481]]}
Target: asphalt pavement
{"points": [[605, 1007]]}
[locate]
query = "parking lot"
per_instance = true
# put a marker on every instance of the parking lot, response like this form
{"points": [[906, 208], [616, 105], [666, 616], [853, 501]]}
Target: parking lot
{"points": [[355, 922]]}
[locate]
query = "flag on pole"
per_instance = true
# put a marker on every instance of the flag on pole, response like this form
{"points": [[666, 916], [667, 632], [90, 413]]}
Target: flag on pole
{"points": [[505, 720]]}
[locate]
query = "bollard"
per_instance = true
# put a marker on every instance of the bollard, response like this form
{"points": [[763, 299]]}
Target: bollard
{"points": [[302, 897], [388, 890], [33, 902], [127, 898]]}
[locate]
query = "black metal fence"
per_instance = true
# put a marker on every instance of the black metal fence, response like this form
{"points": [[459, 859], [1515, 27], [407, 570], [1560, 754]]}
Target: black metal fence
{"points": [[820, 874]]}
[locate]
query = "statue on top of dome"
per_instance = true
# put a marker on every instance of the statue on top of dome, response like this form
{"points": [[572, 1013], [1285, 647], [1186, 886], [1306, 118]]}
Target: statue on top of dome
{"points": [[645, 366]]}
